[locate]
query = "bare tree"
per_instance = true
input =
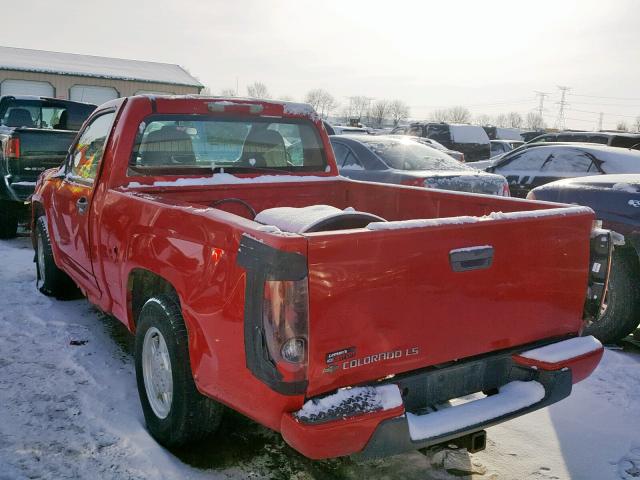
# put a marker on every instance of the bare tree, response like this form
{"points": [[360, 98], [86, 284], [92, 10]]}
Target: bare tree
{"points": [[358, 106], [636, 124], [258, 90], [228, 92], [534, 121], [379, 111], [459, 114], [441, 115], [622, 126], [501, 120], [483, 119], [514, 120], [321, 100], [398, 111]]}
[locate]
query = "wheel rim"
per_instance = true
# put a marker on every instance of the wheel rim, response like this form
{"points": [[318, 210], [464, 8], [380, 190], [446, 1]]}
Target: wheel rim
{"points": [[156, 370], [40, 256]]}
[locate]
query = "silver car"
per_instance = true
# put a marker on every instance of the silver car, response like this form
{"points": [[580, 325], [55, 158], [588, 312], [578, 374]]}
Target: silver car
{"points": [[400, 160]]}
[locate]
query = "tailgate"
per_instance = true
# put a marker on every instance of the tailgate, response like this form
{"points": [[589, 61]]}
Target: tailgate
{"points": [[389, 301], [39, 151]]}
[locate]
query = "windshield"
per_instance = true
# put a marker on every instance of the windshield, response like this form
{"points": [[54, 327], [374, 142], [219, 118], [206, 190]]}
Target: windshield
{"points": [[176, 144], [405, 154], [44, 114]]}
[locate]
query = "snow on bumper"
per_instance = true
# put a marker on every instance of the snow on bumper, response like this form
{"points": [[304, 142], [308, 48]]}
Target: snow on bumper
{"points": [[342, 423], [377, 421], [581, 355], [512, 397]]}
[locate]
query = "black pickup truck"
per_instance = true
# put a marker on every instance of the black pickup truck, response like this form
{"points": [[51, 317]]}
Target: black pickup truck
{"points": [[35, 134]]}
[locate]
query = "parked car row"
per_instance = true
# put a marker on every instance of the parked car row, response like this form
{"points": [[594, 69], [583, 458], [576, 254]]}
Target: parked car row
{"points": [[334, 311]]}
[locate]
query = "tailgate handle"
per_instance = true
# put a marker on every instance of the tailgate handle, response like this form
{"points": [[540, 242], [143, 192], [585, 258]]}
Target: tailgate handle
{"points": [[472, 258]]}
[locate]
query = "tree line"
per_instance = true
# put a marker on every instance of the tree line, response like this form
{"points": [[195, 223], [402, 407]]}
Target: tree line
{"points": [[378, 113], [383, 112]]}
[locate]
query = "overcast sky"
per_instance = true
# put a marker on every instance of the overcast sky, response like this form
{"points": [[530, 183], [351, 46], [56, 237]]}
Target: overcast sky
{"points": [[487, 55]]}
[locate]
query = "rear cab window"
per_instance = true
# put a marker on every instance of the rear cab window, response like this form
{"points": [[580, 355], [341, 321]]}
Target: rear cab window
{"points": [[43, 114], [191, 145]]}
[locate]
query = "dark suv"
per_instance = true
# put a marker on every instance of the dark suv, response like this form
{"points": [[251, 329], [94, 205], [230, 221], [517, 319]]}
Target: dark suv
{"points": [[624, 140], [471, 140]]}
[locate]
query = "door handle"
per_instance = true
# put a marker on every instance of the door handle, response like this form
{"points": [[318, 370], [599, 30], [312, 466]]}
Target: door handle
{"points": [[473, 258], [81, 205]]}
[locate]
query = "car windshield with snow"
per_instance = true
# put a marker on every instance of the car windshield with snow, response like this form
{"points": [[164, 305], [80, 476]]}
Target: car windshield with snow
{"points": [[336, 312], [533, 165], [401, 160]]}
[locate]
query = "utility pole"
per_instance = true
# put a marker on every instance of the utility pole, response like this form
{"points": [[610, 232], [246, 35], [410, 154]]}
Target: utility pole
{"points": [[600, 121], [563, 104], [541, 96]]}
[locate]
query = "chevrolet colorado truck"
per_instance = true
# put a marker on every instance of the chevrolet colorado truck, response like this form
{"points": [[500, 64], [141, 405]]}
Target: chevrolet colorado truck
{"points": [[35, 134], [349, 316]]}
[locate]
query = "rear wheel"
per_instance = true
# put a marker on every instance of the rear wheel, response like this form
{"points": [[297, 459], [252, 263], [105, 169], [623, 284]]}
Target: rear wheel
{"points": [[622, 312], [8, 220], [51, 281], [175, 412]]}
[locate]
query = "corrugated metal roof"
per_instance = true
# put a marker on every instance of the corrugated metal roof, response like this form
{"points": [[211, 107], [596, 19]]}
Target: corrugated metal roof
{"points": [[29, 60]]}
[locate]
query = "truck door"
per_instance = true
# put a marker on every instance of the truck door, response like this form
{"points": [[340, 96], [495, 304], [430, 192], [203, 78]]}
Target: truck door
{"points": [[72, 209]]}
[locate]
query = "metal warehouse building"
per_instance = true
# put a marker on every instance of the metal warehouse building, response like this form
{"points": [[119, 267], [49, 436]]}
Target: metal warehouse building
{"points": [[87, 78]]}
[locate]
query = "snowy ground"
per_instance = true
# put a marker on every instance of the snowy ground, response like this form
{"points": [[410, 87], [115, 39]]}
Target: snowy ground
{"points": [[69, 409]]}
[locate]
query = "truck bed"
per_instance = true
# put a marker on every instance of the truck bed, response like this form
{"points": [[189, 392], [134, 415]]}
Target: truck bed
{"points": [[390, 294]]}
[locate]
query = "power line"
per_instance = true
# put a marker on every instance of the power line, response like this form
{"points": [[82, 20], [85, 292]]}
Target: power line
{"points": [[606, 113], [563, 104], [541, 96], [513, 102], [600, 96]]}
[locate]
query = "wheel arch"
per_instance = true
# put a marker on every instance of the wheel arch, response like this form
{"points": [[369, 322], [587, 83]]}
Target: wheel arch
{"points": [[142, 284]]}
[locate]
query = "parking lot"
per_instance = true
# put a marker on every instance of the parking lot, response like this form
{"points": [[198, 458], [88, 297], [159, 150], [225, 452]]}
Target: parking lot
{"points": [[71, 410]]}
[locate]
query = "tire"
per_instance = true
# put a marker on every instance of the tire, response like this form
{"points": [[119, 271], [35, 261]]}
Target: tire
{"points": [[188, 416], [622, 312], [51, 281], [8, 220]]}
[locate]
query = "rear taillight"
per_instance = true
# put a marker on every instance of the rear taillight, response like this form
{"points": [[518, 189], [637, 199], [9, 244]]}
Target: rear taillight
{"points": [[12, 148], [599, 269], [504, 190], [414, 182], [285, 317]]}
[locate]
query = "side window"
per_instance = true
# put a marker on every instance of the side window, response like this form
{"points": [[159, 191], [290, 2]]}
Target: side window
{"points": [[341, 152], [351, 162], [527, 161], [415, 131], [88, 151], [567, 161]]}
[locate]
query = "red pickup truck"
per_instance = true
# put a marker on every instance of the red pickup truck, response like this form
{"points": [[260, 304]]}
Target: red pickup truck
{"points": [[349, 316]]}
